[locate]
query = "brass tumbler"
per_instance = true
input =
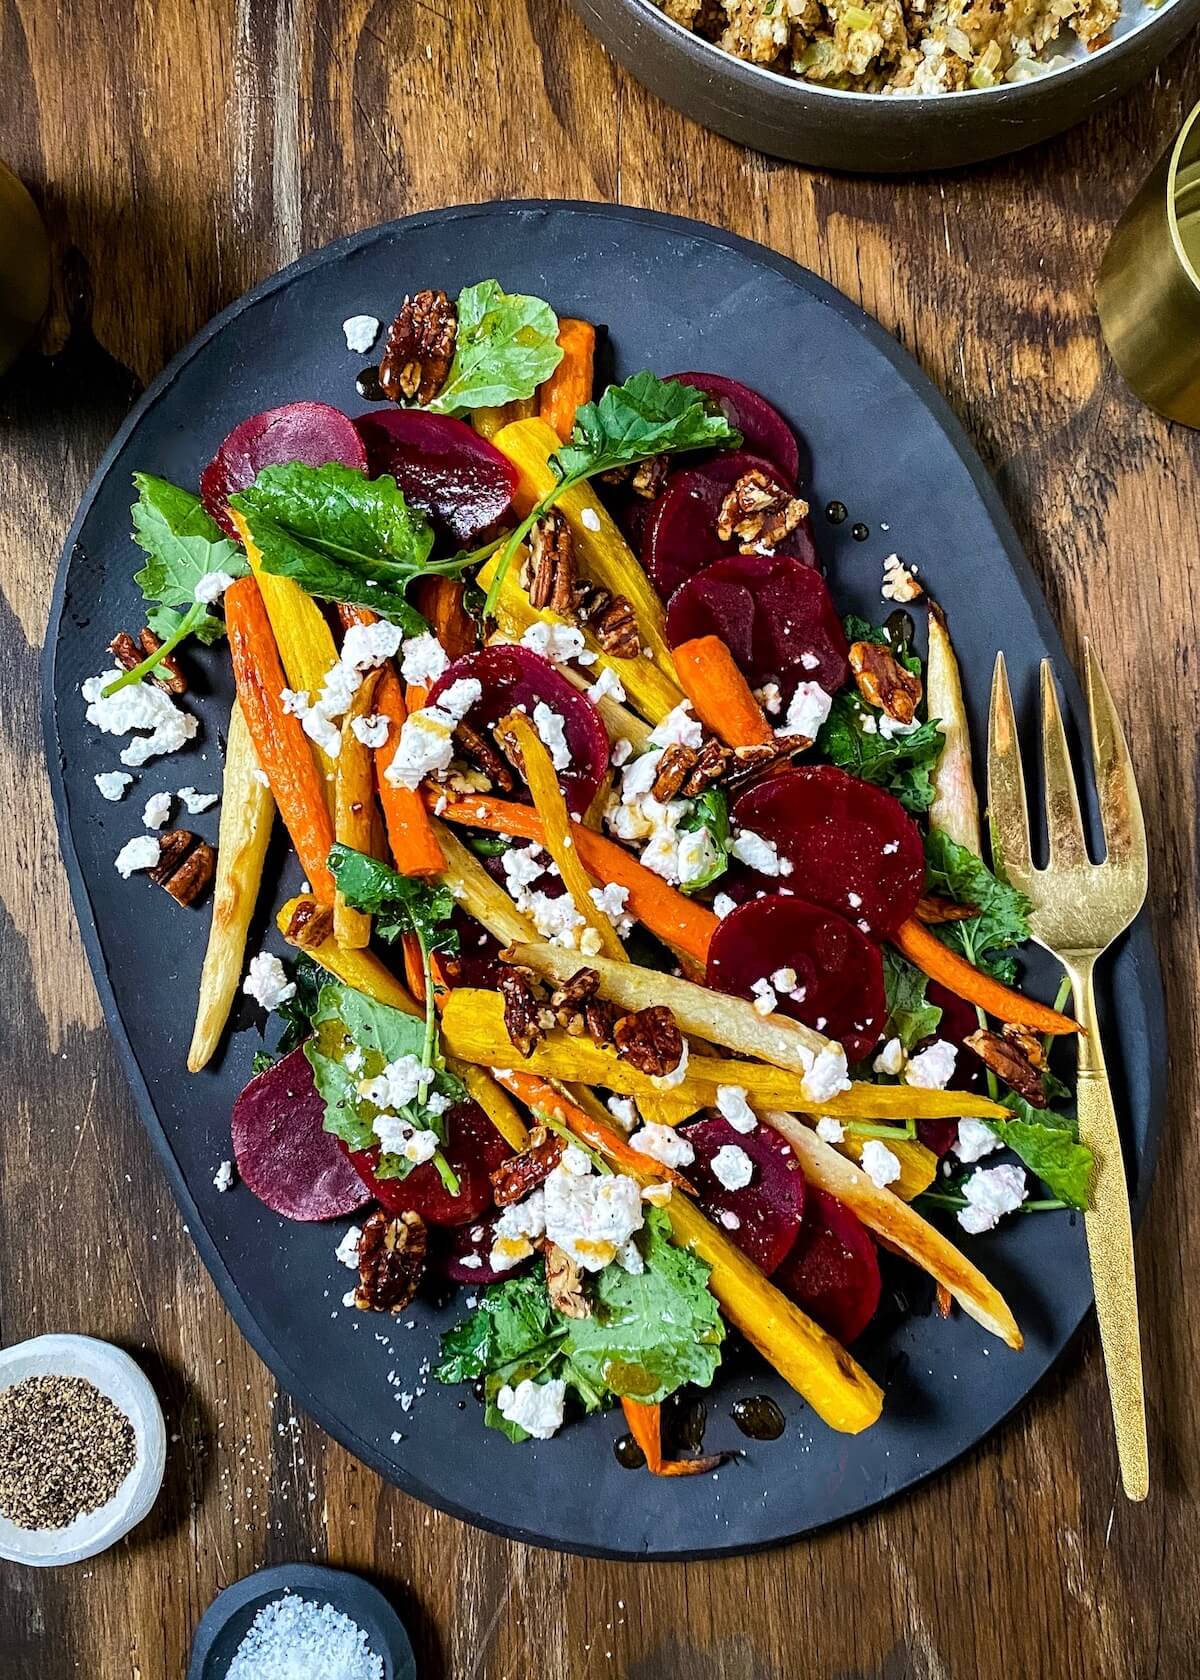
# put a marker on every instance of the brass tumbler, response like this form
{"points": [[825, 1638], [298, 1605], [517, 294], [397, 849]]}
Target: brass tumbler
{"points": [[24, 267], [1148, 293]]}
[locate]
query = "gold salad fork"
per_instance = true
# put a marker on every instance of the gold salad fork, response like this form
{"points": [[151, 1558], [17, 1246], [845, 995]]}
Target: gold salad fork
{"points": [[1079, 909]]}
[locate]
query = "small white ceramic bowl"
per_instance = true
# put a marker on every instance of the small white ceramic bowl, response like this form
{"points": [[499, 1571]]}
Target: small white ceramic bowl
{"points": [[128, 1387]]}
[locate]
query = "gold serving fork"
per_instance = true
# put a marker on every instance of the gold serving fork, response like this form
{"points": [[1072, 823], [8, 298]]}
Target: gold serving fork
{"points": [[1079, 908]]}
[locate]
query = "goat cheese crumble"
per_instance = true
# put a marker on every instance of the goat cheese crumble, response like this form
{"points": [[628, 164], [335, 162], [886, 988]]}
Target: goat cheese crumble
{"points": [[590, 1218], [607, 685], [827, 1075], [560, 642], [223, 1177], [879, 1163], [141, 852], [398, 1136], [733, 1106], [535, 1407], [360, 331], [732, 1167], [426, 743], [756, 853], [346, 1252], [663, 1144], [424, 660], [991, 1192], [552, 731], [267, 982], [371, 730], [975, 1140], [932, 1069], [680, 727], [830, 1130], [211, 587], [807, 711], [112, 784], [157, 811], [139, 706], [194, 803]]}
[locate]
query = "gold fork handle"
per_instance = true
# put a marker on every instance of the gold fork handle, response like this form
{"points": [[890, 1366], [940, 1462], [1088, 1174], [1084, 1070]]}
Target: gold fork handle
{"points": [[1110, 1244]]}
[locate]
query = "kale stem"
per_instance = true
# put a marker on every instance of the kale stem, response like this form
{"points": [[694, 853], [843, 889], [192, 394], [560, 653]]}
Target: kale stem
{"points": [[446, 1172], [1063, 993], [872, 1129], [427, 1049], [181, 631], [516, 538]]}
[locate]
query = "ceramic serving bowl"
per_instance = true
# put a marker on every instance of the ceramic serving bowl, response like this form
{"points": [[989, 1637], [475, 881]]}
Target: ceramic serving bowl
{"points": [[871, 133]]}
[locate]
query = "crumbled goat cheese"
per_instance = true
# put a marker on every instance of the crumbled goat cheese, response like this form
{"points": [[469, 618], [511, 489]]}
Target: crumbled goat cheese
{"points": [[679, 728], [458, 699], [621, 750], [830, 1130], [346, 1252], [223, 1177], [371, 730], [664, 1144], [827, 1076], [765, 1000], [550, 727], [398, 1137], [891, 1058], [732, 1167], [624, 1112], [629, 1258], [751, 849], [991, 1192], [112, 784], [139, 706], [889, 727], [658, 1195], [809, 661], [267, 982], [975, 1140], [361, 332], [892, 847], [157, 810], [696, 855], [592, 1218], [668, 1081], [611, 901], [293, 701], [733, 1106], [807, 710], [769, 697], [729, 1219], [517, 1229], [575, 1161], [784, 979], [426, 747], [424, 660], [194, 803], [589, 519], [722, 905], [211, 587], [139, 853], [607, 685], [879, 1164], [556, 919], [932, 1069], [899, 584], [561, 642], [261, 777], [400, 1083], [535, 1407]]}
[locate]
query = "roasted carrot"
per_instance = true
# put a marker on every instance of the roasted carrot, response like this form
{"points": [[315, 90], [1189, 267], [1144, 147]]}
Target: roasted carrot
{"points": [[354, 808], [965, 981], [570, 385], [280, 744], [720, 694], [685, 926], [415, 849], [538, 1093], [440, 600], [645, 1425]]}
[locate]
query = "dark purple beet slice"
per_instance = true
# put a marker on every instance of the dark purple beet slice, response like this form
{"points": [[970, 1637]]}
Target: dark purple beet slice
{"points": [[680, 537], [764, 430], [839, 969], [768, 1209], [852, 847], [311, 432], [474, 1148], [442, 467], [283, 1152], [516, 676], [776, 617], [477, 960], [833, 1270], [459, 1246], [958, 1021]]}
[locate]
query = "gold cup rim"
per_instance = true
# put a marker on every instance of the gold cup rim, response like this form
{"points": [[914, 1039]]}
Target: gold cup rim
{"points": [[1181, 140]]}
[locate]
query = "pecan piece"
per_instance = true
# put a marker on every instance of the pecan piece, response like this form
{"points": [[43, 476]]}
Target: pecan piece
{"points": [[674, 768], [650, 476], [515, 1178], [568, 1000], [615, 627], [564, 1282], [526, 1018], [310, 926], [391, 1259], [649, 1041], [1015, 1056], [599, 1019], [551, 570], [883, 681], [712, 763], [759, 512], [420, 348], [480, 751], [129, 654], [932, 910], [185, 865]]}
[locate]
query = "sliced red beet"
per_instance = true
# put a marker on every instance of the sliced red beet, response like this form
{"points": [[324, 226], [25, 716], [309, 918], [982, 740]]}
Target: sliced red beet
{"points": [[457, 1249], [852, 847], [474, 1148], [776, 617], [764, 430], [838, 969], [680, 536], [283, 1152], [833, 1270], [311, 432], [958, 1021], [768, 1209], [477, 960], [442, 467], [516, 676]]}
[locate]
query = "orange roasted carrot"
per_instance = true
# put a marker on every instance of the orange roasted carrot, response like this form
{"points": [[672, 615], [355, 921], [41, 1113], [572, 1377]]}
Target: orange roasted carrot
{"points": [[966, 981], [440, 600], [536, 1093], [280, 744], [570, 385], [685, 926], [348, 615], [415, 848], [720, 694], [645, 1425]]}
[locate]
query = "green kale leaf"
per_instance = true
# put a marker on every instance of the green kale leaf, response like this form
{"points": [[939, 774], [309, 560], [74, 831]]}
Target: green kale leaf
{"points": [[645, 416], [506, 345], [182, 545], [297, 1013], [902, 764], [955, 872], [1047, 1146], [399, 903], [911, 1017], [709, 813]]}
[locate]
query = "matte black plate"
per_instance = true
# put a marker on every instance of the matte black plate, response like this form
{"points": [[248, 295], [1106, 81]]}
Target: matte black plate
{"points": [[673, 294]]}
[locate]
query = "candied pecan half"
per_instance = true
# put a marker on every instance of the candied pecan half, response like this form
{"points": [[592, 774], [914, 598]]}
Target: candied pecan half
{"points": [[590, 600], [931, 910], [599, 1019], [1013, 1055], [480, 751], [420, 348], [391, 1259], [526, 1018], [129, 654], [551, 569], [759, 512], [515, 1178], [567, 1000], [650, 476], [674, 768], [712, 763], [311, 924], [883, 681], [564, 1282], [615, 627], [185, 866], [649, 1040]]}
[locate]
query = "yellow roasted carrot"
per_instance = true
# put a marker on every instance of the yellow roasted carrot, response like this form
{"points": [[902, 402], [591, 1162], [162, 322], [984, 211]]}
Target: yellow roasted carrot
{"points": [[918, 1165], [480, 896], [247, 812], [354, 808]]}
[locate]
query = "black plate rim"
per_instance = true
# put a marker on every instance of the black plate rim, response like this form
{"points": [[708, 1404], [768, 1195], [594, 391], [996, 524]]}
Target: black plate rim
{"points": [[909, 370]]}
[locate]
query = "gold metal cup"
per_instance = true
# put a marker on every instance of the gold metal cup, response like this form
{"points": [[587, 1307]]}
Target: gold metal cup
{"points": [[24, 267], [1148, 293]]}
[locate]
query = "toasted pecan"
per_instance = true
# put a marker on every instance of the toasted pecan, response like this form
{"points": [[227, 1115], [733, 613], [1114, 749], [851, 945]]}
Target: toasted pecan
{"points": [[552, 571], [1011, 1055], [883, 681], [391, 1261], [649, 1040], [186, 865], [515, 1178], [420, 348]]}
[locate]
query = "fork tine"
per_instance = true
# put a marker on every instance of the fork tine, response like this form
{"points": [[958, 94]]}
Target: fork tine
{"points": [[1008, 813], [1116, 788], [1064, 826]]}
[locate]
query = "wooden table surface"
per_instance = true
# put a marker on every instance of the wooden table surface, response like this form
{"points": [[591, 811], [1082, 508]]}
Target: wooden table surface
{"points": [[182, 150]]}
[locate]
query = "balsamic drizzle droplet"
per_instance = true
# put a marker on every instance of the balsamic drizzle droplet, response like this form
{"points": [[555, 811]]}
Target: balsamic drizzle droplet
{"points": [[837, 513], [759, 1417], [628, 1454], [368, 387], [860, 532]]}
